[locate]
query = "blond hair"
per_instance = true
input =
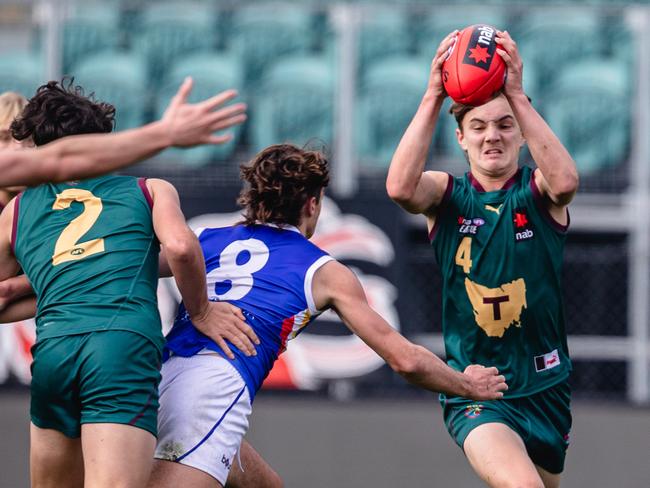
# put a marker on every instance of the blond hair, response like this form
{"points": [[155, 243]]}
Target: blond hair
{"points": [[11, 105]]}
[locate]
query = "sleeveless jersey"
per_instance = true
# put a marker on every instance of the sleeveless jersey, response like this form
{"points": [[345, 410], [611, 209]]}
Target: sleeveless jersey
{"points": [[91, 255], [500, 255], [267, 272]]}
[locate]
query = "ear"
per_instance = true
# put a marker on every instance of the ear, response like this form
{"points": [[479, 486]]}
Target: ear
{"points": [[309, 208], [460, 137], [313, 204]]}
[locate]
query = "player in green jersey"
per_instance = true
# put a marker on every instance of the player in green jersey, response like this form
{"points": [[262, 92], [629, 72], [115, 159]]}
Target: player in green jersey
{"points": [[498, 233], [85, 156], [90, 250]]}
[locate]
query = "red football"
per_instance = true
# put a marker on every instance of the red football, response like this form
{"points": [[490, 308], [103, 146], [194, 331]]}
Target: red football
{"points": [[473, 71]]}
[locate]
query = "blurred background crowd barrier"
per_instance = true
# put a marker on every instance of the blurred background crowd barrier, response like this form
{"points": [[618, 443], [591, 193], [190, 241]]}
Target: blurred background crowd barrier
{"points": [[346, 77]]}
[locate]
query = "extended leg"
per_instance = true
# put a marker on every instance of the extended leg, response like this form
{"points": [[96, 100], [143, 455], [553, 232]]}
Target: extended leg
{"points": [[55, 460]]}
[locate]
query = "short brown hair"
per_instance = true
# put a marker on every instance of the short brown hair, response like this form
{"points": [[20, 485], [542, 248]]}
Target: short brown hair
{"points": [[281, 178], [459, 110]]}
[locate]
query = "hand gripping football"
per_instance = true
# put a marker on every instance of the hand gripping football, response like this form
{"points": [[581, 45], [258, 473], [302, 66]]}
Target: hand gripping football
{"points": [[473, 71]]}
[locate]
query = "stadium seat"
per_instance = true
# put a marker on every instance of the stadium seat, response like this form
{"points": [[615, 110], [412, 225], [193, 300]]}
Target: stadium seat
{"points": [[168, 31], [294, 103], [119, 79], [435, 26], [383, 33], [620, 39], [551, 40], [90, 28], [211, 73], [265, 33], [21, 72], [589, 110], [388, 100]]}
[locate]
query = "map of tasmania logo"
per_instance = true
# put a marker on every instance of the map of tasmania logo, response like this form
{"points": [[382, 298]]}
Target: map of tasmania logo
{"points": [[474, 410]]}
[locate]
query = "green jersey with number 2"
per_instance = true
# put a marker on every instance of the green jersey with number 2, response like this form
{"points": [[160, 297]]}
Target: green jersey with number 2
{"points": [[91, 255]]}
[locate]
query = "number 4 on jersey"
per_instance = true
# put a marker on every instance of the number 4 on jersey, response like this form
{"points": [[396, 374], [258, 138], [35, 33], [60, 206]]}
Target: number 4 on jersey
{"points": [[464, 254]]}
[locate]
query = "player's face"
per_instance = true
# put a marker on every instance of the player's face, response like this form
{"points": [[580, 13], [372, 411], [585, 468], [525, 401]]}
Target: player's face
{"points": [[491, 137]]}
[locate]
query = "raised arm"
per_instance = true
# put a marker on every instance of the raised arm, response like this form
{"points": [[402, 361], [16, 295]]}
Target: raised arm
{"points": [[85, 156], [407, 183], [184, 259], [337, 287], [557, 176]]}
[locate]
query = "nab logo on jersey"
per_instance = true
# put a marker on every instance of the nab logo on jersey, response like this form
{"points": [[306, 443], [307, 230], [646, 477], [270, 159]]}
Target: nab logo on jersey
{"points": [[523, 227], [481, 48]]}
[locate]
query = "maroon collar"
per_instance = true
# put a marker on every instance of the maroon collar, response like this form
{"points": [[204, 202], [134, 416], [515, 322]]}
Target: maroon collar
{"points": [[508, 184]]}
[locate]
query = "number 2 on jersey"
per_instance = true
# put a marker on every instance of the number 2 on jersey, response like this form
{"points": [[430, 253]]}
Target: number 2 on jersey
{"points": [[464, 254], [239, 276], [68, 247]]}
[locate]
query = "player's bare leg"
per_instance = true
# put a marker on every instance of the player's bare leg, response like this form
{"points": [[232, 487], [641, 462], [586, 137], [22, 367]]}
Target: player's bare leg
{"points": [[168, 474], [254, 471], [116, 455], [550, 480], [55, 460], [499, 457]]}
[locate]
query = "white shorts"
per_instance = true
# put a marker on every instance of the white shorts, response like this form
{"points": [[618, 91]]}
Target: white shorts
{"points": [[203, 416]]}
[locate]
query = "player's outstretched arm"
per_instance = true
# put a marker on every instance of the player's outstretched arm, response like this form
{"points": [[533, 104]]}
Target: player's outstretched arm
{"points": [[407, 183], [336, 286], [557, 176], [184, 258], [85, 156]]}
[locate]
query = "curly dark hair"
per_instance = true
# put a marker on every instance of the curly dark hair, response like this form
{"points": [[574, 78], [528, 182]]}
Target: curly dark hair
{"points": [[61, 109], [281, 178]]}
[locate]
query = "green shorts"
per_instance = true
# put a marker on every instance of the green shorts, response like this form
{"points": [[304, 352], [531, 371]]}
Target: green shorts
{"points": [[99, 377], [543, 421]]}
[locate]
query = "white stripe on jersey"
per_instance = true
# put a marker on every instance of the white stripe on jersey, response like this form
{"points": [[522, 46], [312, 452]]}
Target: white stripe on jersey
{"points": [[309, 275]]}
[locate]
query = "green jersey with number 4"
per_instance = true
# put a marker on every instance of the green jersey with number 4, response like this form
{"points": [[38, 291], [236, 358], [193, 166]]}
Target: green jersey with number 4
{"points": [[500, 254], [91, 255]]}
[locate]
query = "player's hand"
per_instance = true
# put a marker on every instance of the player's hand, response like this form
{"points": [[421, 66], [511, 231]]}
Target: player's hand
{"points": [[507, 49], [221, 321], [435, 87], [191, 124], [485, 383]]}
